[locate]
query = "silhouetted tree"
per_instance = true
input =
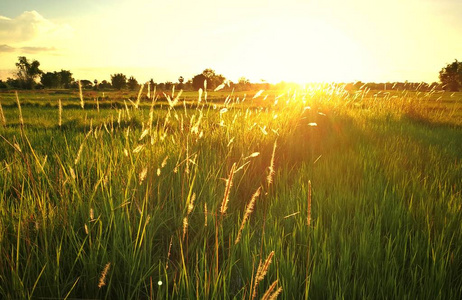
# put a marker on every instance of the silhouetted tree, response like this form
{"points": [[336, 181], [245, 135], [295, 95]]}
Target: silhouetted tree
{"points": [[119, 81], [180, 82], [104, 85], [132, 83], [61, 79], [209, 75], [51, 80], [27, 72], [86, 84], [451, 76]]}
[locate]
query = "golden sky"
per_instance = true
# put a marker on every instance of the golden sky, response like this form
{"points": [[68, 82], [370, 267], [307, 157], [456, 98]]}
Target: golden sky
{"points": [[291, 40]]}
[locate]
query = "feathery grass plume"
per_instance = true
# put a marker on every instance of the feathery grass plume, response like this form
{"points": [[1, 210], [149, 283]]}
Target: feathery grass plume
{"points": [[308, 214], [229, 184], [261, 273], [127, 110], [148, 94], [205, 214], [248, 211], [102, 278], [137, 104], [191, 204], [82, 104], [143, 174], [60, 112], [269, 292], [258, 94], [2, 116], [97, 104], [138, 148], [269, 178], [275, 295], [188, 212], [200, 96], [221, 86], [185, 226], [79, 153], [21, 120]]}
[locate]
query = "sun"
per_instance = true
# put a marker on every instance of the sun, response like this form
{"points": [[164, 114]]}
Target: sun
{"points": [[314, 52]]}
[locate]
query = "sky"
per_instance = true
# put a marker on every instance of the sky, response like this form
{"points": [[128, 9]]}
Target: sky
{"points": [[262, 40]]}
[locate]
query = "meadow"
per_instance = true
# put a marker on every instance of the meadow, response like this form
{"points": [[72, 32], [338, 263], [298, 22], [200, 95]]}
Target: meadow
{"points": [[310, 193]]}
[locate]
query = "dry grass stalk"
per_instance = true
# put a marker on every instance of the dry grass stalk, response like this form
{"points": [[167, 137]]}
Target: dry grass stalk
{"points": [[169, 252], [269, 178], [229, 184], [102, 278], [82, 104], [139, 97], [60, 111], [248, 211], [21, 120], [79, 153], [261, 273], [269, 292], [205, 214], [308, 218], [2, 116], [275, 295]]}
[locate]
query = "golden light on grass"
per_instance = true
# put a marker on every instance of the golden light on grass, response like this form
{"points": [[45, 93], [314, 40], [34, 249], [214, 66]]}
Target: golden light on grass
{"points": [[248, 211], [229, 184]]}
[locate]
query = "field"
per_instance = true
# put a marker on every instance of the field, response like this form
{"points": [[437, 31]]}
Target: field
{"points": [[316, 193]]}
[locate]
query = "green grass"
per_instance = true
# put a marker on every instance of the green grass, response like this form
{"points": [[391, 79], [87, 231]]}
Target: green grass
{"points": [[111, 190]]}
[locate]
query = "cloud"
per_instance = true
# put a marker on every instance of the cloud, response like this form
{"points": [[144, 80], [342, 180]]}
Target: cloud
{"points": [[30, 25], [33, 50], [6, 48], [28, 50]]}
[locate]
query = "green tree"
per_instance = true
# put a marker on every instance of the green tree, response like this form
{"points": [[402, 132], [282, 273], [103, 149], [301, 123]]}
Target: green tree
{"points": [[451, 76], [28, 72], [119, 81], [132, 83]]}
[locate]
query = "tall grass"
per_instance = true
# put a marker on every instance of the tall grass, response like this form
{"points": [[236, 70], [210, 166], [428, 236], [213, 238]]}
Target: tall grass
{"points": [[145, 201]]}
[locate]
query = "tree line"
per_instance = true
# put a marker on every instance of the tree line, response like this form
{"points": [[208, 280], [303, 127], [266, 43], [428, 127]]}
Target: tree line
{"points": [[30, 76]]}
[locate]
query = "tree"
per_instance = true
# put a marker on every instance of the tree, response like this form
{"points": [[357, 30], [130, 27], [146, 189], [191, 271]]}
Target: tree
{"points": [[119, 81], [27, 72], [51, 80], [209, 75], [451, 76], [66, 78], [132, 83], [180, 82], [61, 79], [104, 85]]}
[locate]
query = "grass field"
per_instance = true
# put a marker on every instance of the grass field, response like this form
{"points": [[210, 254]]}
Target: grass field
{"points": [[302, 194]]}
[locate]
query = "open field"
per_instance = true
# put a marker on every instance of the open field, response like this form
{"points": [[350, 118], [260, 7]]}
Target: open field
{"points": [[307, 194]]}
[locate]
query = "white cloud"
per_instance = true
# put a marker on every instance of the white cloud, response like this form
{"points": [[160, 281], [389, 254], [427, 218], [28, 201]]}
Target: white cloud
{"points": [[31, 26]]}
